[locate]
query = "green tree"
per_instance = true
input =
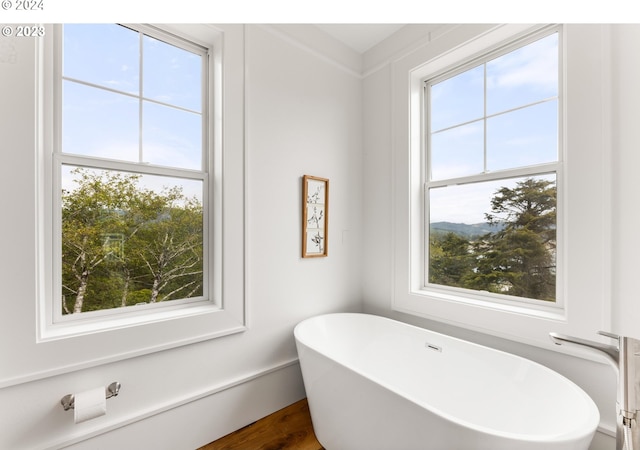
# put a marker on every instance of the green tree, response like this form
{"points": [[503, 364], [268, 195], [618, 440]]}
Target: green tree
{"points": [[171, 249], [123, 244], [91, 212], [519, 259], [450, 259]]}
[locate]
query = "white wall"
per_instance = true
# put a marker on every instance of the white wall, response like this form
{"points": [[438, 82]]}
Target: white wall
{"points": [[621, 104], [302, 116], [308, 111], [625, 68]]}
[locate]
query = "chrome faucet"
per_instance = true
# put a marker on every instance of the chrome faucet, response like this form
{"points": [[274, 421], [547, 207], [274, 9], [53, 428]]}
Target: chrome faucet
{"points": [[624, 358]]}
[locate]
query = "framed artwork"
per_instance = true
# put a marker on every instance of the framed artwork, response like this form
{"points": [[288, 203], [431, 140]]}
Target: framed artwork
{"points": [[315, 213]]}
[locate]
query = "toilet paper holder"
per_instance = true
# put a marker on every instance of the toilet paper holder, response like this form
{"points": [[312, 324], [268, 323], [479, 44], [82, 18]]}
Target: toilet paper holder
{"points": [[111, 391]]}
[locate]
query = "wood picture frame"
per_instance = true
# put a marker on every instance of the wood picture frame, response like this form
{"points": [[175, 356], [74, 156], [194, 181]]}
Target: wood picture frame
{"points": [[315, 216]]}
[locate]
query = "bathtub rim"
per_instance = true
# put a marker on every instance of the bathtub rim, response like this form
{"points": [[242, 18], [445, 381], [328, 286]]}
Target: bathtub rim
{"points": [[577, 433]]}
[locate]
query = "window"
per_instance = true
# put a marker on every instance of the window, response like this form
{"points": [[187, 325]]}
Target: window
{"points": [[132, 170], [580, 174], [492, 165], [134, 203], [207, 197]]}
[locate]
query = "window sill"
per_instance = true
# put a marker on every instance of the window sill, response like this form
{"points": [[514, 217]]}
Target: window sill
{"points": [[510, 321], [486, 300], [118, 321]]}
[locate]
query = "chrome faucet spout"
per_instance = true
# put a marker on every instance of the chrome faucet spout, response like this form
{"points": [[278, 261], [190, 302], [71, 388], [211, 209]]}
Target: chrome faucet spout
{"points": [[624, 358], [610, 351]]}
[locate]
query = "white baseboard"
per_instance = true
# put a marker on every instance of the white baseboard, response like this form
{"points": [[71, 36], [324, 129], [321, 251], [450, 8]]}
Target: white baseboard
{"points": [[195, 420], [603, 441]]}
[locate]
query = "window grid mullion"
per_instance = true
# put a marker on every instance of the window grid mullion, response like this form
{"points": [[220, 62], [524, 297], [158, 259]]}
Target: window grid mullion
{"points": [[484, 119], [518, 172], [128, 166], [140, 96]]}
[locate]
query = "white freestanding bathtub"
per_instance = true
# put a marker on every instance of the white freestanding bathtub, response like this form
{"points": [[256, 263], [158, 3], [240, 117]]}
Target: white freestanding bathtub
{"points": [[375, 383]]}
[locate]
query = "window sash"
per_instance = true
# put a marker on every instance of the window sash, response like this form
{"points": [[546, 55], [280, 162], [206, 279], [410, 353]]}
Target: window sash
{"points": [[59, 158], [428, 182], [166, 37]]}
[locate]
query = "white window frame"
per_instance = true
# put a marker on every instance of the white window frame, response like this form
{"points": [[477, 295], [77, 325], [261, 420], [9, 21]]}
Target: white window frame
{"points": [[493, 300], [222, 312], [585, 285], [211, 293]]}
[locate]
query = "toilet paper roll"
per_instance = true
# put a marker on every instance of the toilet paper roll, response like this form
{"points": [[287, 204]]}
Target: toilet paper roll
{"points": [[89, 404]]}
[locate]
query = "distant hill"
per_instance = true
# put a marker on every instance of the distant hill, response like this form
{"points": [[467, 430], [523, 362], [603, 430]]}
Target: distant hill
{"points": [[463, 229]]}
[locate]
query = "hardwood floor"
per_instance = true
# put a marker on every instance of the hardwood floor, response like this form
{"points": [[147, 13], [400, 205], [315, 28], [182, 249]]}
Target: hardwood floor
{"points": [[287, 429]]}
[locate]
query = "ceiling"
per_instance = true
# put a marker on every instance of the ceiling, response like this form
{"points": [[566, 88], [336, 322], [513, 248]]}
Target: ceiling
{"points": [[360, 37]]}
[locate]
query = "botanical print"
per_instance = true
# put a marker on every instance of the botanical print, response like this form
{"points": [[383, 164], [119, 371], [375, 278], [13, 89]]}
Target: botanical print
{"points": [[315, 191], [315, 216], [315, 242], [314, 220]]}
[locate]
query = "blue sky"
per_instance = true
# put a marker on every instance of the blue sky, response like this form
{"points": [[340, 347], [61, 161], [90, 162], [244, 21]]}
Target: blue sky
{"points": [[521, 126], [108, 123], [467, 203], [149, 113]]}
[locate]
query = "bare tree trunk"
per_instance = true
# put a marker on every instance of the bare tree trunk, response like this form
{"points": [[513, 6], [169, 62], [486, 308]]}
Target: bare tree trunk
{"points": [[155, 290], [77, 307], [125, 290], [159, 273], [83, 278]]}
